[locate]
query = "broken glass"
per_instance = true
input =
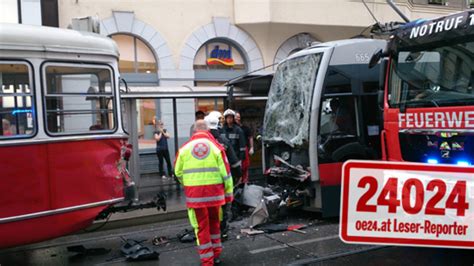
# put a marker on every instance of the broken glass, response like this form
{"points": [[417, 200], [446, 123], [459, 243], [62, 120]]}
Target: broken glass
{"points": [[289, 100]]}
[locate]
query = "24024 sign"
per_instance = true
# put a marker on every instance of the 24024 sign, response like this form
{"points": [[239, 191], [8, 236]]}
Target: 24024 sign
{"points": [[407, 204]]}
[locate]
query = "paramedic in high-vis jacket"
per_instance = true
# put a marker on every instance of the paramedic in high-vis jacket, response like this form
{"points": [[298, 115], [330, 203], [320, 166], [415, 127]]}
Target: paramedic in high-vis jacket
{"points": [[202, 167]]}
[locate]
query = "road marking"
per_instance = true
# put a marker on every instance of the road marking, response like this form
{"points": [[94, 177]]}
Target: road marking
{"points": [[298, 243]]}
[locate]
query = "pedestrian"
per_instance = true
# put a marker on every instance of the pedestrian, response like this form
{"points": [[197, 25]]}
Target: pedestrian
{"points": [[248, 148], [199, 115], [161, 136], [202, 167], [6, 127], [234, 133]]}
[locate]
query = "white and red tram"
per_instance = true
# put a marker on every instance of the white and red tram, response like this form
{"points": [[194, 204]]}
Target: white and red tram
{"points": [[61, 140]]}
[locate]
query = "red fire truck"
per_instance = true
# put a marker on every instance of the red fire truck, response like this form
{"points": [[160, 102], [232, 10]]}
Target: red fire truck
{"points": [[429, 94]]}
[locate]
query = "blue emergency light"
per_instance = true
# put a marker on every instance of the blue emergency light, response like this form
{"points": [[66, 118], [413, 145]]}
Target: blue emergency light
{"points": [[463, 163]]}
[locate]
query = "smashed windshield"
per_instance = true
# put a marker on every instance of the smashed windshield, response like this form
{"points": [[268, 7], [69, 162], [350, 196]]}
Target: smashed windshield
{"points": [[289, 100], [440, 76]]}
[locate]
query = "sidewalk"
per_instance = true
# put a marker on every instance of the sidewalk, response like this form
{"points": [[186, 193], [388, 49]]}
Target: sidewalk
{"points": [[150, 185]]}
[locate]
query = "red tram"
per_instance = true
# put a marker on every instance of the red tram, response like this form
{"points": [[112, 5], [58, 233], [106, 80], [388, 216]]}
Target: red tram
{"points": [[61, 141]]}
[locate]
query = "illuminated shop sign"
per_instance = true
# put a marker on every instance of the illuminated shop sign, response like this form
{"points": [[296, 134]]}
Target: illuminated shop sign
{"points": [[221, 57]]}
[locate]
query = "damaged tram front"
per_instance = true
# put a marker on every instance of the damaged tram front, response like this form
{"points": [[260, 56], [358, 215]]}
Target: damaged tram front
{"points": [[321, 111]]}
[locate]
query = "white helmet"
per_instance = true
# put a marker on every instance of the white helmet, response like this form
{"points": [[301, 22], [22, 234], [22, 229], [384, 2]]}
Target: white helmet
{"points": [[229, 112], [215, 114], [212, 121]]}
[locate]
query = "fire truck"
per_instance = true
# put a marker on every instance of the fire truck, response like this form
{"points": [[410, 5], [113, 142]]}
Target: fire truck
{"points": [[429, 95]]}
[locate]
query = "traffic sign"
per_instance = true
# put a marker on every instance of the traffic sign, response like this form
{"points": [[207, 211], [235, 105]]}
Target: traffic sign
{"points": [[410, 204]]}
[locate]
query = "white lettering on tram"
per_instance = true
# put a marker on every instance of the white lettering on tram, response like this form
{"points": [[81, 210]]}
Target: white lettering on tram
{"points": [[437, 120], [472, 20], [437, 27]]}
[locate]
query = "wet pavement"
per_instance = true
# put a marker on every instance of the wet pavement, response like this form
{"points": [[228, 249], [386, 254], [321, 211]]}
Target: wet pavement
{"points": [[319, 245]]}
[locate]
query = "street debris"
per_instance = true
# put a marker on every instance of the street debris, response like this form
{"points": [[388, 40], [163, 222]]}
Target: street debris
{"points": [[260, 215], [160, 240], [186, 236], [252, 195], [83, 251], [250, 231], [134, 251], [290, 171], [158, 202]]}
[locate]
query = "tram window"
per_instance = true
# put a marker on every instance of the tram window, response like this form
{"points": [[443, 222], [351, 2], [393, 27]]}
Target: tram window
{"points": [[79, 99], [16, 101], [337, 128], [337, 82]]}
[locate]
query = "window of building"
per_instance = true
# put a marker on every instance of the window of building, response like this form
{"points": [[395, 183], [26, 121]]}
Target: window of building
{"points": [[79, 99], [16, 101], [208, 105], [137, 62], [146, 109]]}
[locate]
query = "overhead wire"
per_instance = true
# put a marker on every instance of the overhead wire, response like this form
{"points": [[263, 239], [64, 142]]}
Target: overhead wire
{"points": [[370, 11]]}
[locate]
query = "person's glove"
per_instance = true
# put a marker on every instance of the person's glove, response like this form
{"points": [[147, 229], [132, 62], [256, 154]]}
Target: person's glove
{"points": [[251, 152]]}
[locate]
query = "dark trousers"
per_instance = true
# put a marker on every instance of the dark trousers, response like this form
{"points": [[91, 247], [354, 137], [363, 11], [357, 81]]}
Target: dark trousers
{"points": [[166, 155]]}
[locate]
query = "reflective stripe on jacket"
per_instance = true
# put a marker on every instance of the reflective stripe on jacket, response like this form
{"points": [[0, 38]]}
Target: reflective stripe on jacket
{"points": [[202, 167]]}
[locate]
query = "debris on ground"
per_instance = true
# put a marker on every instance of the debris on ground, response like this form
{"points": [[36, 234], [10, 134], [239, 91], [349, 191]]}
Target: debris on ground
{"points": [[297, 228], [260, 215], [160, 240], [273, 228], [83, 251], [251, 232], [133, 250], [186, 236]]}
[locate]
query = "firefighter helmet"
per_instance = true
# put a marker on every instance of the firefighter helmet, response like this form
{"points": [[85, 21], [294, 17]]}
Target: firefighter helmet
{"points": [[212, 121], [229, 112], [216, 114]]}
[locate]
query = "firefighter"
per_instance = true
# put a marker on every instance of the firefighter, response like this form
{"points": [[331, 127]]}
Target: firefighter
{"points": [[202, 167], [249, 148], [212, 121], [234, 133]]}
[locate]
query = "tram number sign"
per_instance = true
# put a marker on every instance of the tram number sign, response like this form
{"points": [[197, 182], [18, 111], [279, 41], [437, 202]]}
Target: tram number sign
{"points": [[408, 204]]}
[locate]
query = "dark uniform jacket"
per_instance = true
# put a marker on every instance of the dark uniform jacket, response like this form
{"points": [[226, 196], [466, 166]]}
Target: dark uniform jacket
{"points": [[237, 137], [234, 161]]}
